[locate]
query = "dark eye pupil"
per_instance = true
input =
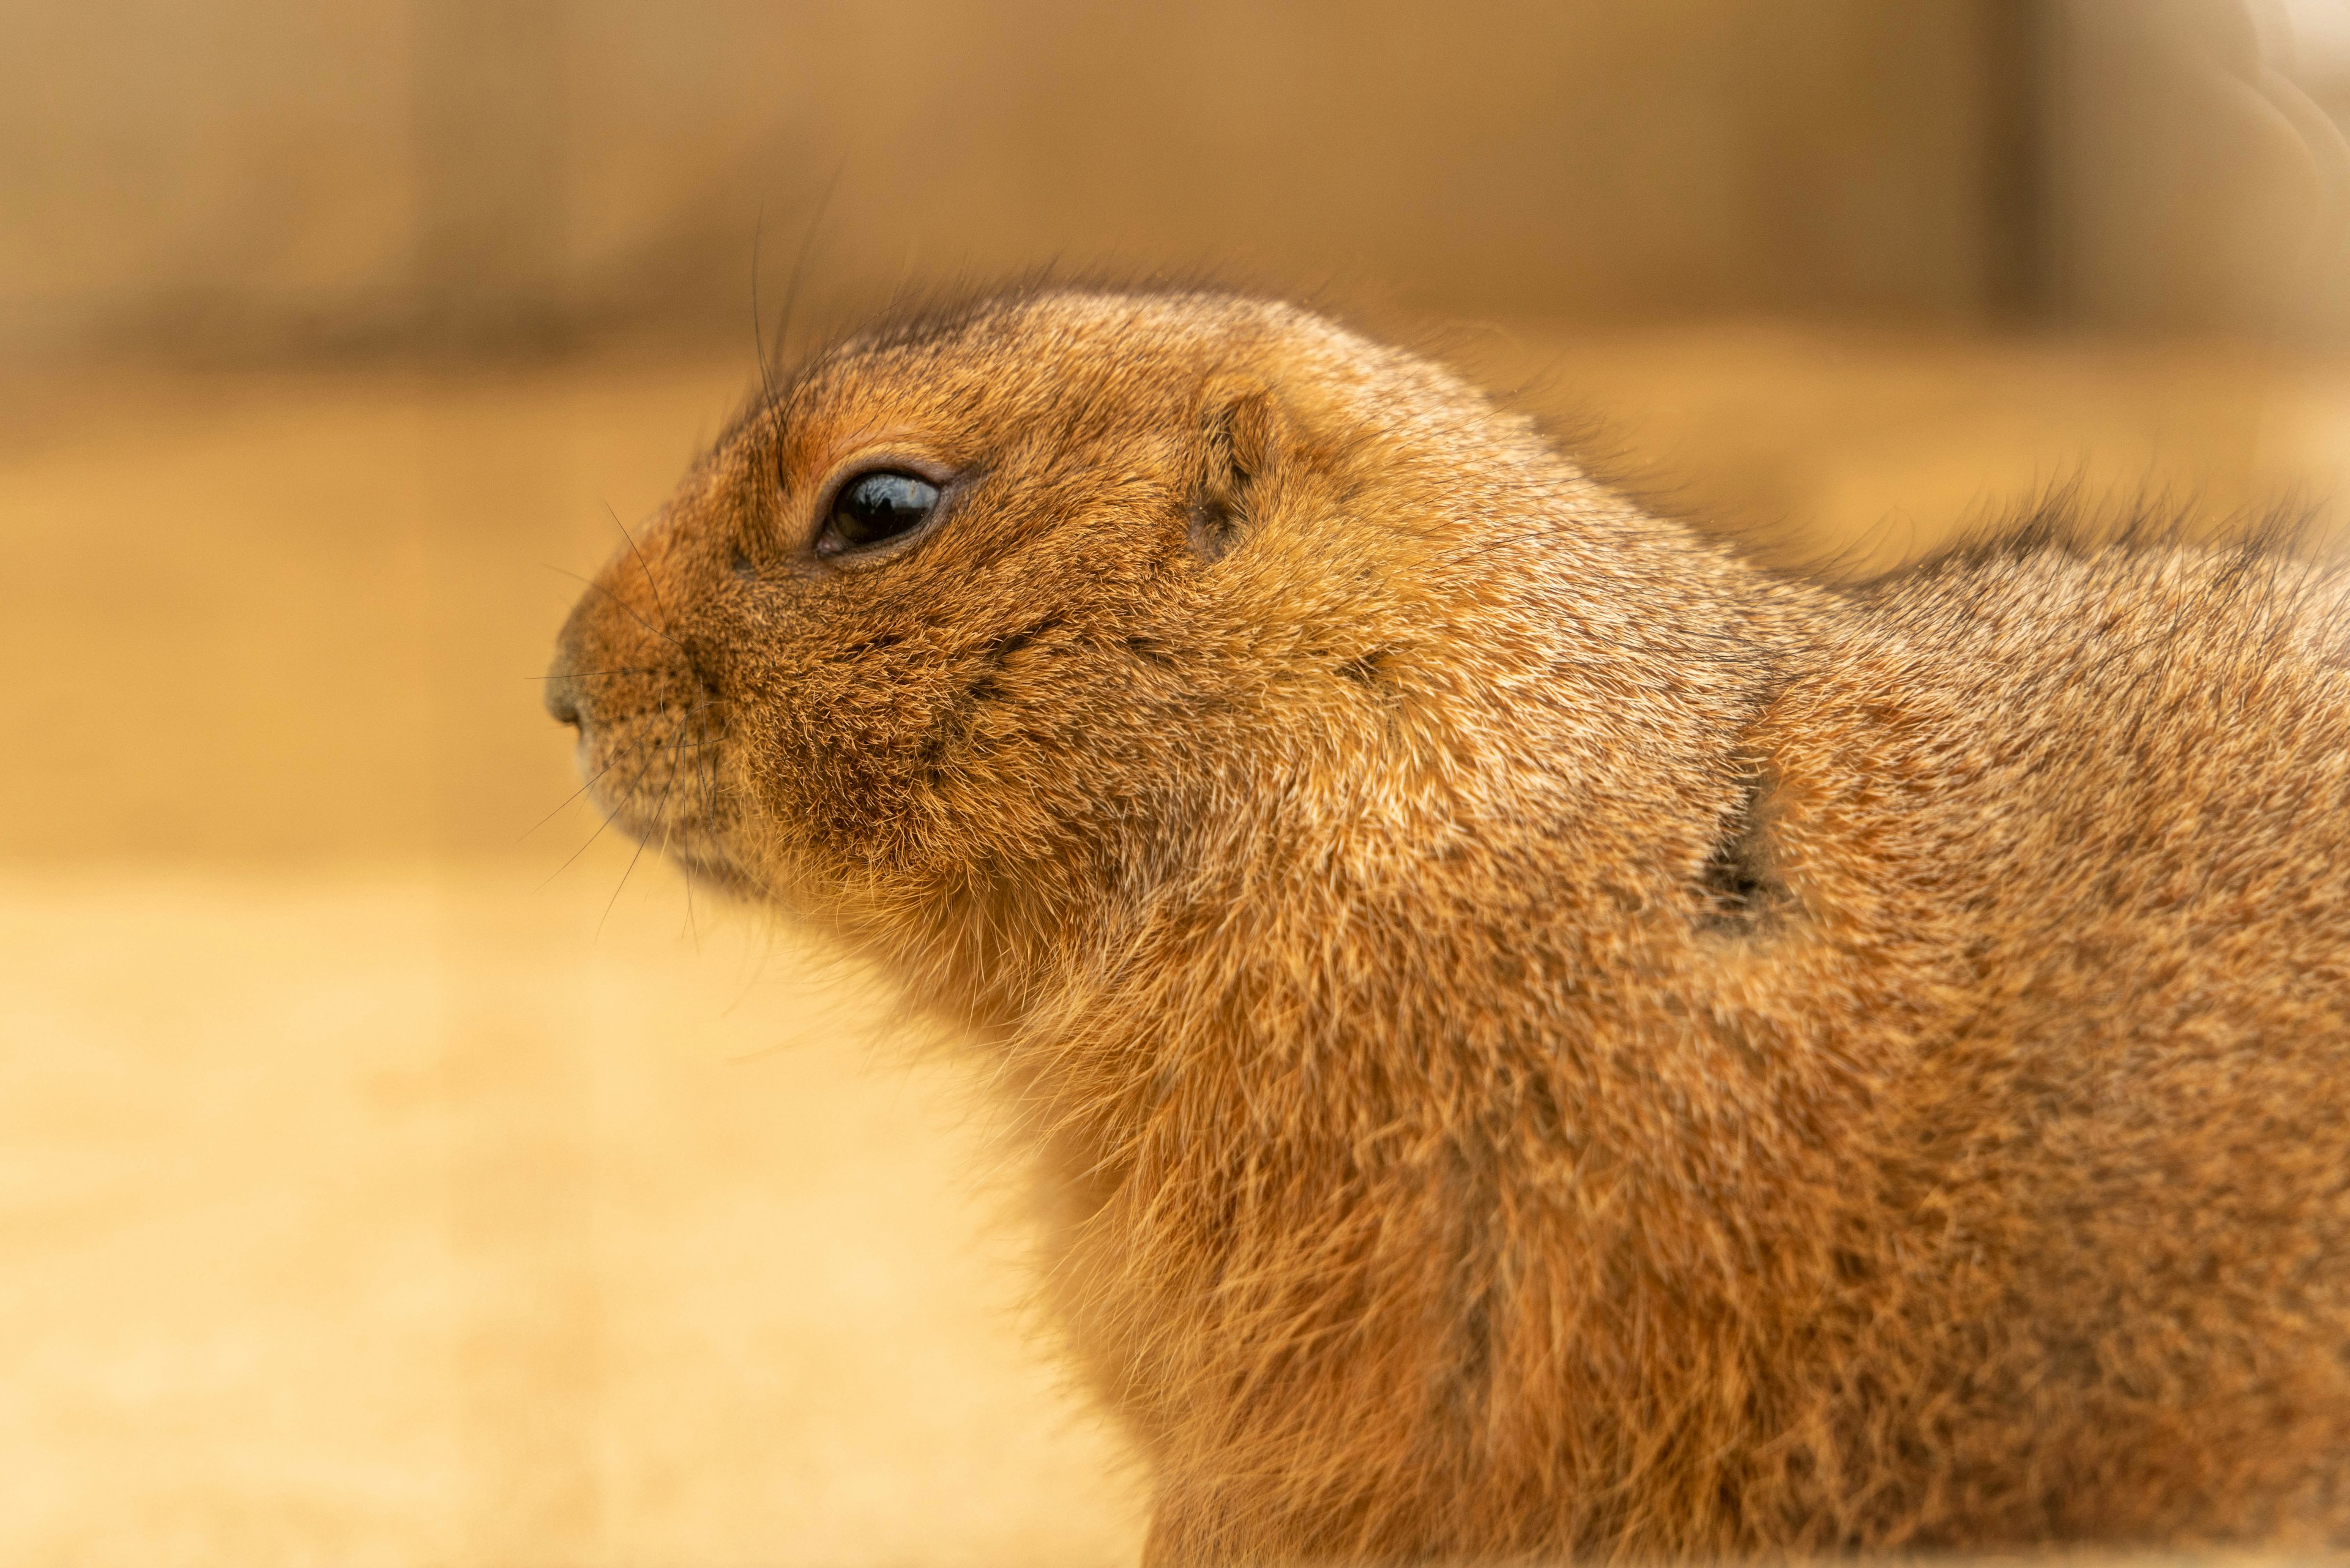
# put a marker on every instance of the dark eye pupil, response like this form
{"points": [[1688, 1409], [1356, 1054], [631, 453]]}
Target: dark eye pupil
{"points": [[881, 506]]}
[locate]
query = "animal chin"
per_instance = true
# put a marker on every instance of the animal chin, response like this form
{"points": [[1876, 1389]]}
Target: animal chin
{"points": [[653, 789], [707, 866], [675, 830]]}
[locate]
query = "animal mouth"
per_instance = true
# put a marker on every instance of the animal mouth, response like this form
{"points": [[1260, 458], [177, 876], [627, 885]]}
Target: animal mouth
{"points": [[680, 831], [658, 783]]}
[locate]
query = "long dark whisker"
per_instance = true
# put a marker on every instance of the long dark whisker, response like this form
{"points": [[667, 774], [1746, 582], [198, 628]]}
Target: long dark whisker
{"points": [[669, 827], [611, 763], [642, 566], [758, 322], [588, 674], [660, 813], [707, 760], [706, 768], [808, 248], [697, 719], [705, 782], [568, 799], [636, 781], [575, 854], [706, 763]]}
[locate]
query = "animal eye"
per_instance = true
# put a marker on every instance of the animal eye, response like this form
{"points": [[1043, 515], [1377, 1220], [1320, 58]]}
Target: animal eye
{"points": [[876, 507]]}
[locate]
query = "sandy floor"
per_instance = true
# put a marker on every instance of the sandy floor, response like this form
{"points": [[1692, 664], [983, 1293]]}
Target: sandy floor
{"points": [[377, 1186], [404, 1219]]}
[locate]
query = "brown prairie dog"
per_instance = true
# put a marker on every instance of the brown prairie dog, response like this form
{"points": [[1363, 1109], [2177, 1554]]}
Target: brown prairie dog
{"points": [[1543, 1038]]}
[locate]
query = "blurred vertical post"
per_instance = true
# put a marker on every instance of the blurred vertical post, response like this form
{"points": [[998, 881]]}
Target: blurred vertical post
{"points": [[490, 159], [490, 280], [2015, 117], [2194, 185]]}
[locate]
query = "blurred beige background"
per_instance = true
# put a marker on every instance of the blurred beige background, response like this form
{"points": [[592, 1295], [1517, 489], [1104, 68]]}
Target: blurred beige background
{"points": [[395, 1169]]}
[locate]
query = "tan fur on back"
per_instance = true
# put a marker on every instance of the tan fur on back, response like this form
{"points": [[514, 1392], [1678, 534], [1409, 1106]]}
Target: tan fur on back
{"points": [[1545, 1037]]}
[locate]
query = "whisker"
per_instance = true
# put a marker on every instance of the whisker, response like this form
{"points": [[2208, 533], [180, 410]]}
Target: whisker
{"points": [[610, 817], [660, 814], [589, 674], [611, 763], [758, 321], [710, 763], [808, 248], [575, 854], [568, 799], [625, 608], [706, 762], [642, 566], [669, 827], [695, 722]]}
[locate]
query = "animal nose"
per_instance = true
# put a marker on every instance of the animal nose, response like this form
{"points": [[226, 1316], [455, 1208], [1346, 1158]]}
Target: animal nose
{"points": [[563, 697]]}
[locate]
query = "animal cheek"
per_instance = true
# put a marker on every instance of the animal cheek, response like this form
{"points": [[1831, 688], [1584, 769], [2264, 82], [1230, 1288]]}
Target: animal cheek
{"points": [[853, 724]]}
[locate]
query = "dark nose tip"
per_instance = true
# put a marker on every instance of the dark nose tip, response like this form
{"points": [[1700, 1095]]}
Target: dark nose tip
{"points": [[563, 698]]}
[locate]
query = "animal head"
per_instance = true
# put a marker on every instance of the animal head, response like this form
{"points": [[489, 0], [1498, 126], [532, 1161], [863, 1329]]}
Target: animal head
{"points": [[1054, 580]]}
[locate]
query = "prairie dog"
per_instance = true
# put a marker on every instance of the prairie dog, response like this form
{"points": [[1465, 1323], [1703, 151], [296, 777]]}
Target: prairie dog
{"points": [[1543, 1037]]}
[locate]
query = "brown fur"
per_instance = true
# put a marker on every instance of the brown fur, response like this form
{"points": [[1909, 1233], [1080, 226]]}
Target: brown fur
{"points": [[1545, 1038]]}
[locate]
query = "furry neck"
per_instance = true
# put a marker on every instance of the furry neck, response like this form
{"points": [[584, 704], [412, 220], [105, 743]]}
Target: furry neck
{"points": [[1457, 869]]}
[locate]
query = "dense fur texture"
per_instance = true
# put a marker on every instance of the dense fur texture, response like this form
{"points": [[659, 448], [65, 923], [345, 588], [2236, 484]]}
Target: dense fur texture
{"points": [[1543, 1036]]}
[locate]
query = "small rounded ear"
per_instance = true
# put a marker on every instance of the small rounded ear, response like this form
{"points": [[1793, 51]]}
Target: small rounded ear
{"points": [[1242, 438]]}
